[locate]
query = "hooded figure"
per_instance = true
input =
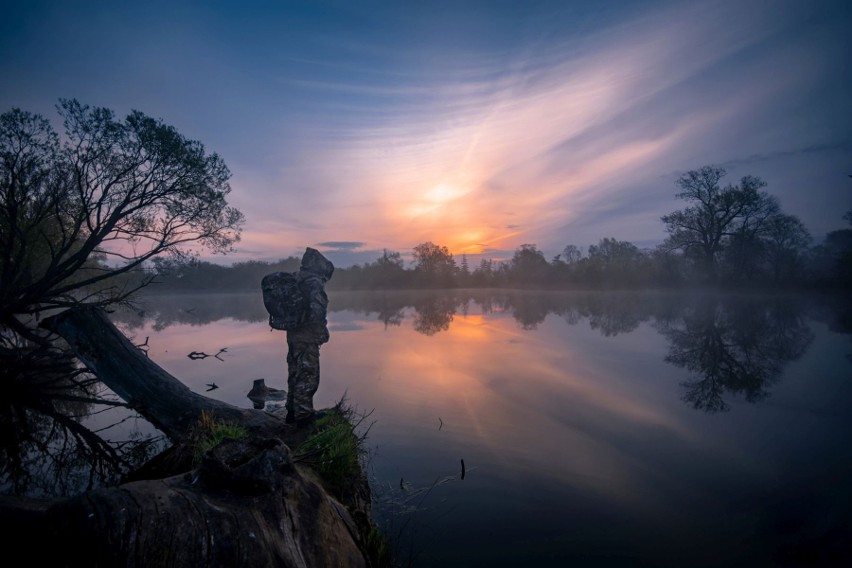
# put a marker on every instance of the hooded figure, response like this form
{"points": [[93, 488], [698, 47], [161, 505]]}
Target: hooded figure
{"points": [[304, 339]]}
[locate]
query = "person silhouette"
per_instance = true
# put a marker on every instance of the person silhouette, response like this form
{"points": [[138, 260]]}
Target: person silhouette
{"points": [[297, 302]]}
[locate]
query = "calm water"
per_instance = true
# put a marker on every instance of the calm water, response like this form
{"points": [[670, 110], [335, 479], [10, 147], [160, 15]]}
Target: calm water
{"points": [[595, 429]]}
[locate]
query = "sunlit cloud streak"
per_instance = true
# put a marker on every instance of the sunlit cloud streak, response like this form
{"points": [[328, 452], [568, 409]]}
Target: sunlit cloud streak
{"points": [[512, 150], [479, 126]]}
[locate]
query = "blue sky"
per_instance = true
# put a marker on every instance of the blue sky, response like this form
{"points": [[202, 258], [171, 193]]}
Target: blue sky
{"points": [[358, 126]]}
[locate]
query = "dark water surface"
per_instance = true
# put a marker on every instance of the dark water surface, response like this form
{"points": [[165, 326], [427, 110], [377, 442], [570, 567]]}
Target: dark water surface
{"points": [[596, 429], [599, 429]]}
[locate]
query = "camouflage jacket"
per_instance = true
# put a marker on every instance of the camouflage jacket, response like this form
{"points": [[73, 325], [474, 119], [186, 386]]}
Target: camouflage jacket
{"points": [[315, 327]]}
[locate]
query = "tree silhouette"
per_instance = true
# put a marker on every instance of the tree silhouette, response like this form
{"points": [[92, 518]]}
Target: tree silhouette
{"points": [[78, 218], [614, 263], [115, 193], [434, 264], [528, 267], [786, 243], [717, 217]]}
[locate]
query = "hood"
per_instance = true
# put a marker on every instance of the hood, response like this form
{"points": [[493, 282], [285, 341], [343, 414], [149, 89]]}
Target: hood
{"points": [[313, 261]]}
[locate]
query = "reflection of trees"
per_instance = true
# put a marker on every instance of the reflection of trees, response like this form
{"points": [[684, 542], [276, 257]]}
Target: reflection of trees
{"points": [[193, 309], [730, 346], [391, 316], [486, 303], [529, 310], [611, 313], [434, 313], [614, 314], [388, 306], [738, 347], [45, 447]]}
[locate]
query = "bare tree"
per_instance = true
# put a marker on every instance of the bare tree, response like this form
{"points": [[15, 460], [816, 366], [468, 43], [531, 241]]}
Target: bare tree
{"points": [[717, 216]]}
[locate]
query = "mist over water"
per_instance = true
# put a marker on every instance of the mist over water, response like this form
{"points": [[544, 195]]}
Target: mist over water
{"points": [[602, 428], [533, 428]]}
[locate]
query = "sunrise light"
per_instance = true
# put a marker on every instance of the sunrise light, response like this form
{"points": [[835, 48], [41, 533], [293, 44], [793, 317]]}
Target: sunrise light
{"points": [[444, 192]]}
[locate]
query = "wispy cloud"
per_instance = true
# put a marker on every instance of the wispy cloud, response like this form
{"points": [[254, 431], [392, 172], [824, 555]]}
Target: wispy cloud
{"points": [[825, 148], [341, 245], [475, 127], [531, 141]]}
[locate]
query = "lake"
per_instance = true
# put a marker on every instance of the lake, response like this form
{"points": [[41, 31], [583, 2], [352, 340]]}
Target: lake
{"points": [[513, 428]]}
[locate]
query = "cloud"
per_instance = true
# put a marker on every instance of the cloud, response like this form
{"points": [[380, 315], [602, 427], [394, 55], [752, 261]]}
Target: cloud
{"points": [[556, 132], [341, 245], [515, 148], [823, 148]]}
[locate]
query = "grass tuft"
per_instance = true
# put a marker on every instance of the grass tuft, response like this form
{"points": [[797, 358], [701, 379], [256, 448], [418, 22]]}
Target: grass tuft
{"points": [[209, 433], [337, 454], [333, 449]]}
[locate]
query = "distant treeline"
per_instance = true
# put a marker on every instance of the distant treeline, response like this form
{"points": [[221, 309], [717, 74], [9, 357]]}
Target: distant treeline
{"points": [[611, 264], [730, 236]]}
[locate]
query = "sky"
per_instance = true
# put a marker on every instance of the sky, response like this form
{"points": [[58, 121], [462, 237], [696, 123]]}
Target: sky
{"points": [[355, 127]]}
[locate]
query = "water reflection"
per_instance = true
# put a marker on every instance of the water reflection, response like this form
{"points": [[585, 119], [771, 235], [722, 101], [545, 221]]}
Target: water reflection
{"points": [[434, 314], [726, 345], [615, 314], [735, 346], [567, 411], [839, 318], [192, 309], [55, 422]]}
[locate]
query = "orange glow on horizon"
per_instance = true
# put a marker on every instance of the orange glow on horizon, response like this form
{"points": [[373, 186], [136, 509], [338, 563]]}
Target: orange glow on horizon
{"points": [[529, 148]]}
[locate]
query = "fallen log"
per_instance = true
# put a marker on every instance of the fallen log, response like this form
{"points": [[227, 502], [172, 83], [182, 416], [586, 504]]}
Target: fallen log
{"points": [[247, 503], [148, 388]]}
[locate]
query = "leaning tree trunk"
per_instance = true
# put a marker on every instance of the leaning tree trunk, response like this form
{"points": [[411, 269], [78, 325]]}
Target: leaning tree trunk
{"points": [[158, 396], [247, 504]]}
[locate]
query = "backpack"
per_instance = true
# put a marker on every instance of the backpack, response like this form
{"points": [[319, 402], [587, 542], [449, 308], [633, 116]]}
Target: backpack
{"points": [[284, 300]]}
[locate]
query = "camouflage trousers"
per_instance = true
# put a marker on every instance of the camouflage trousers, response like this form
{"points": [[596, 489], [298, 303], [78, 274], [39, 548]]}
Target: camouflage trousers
{"points": [[303, 374]]}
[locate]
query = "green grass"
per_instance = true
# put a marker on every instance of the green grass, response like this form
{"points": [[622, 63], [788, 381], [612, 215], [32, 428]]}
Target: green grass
{"points": [[336, 453], [209, 433], [332, 449]]}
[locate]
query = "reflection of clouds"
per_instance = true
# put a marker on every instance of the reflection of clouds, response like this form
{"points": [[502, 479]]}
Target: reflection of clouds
{"points": [[730, 351], [501, 389], [565, 408], [581, 415], [549, 386]]}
